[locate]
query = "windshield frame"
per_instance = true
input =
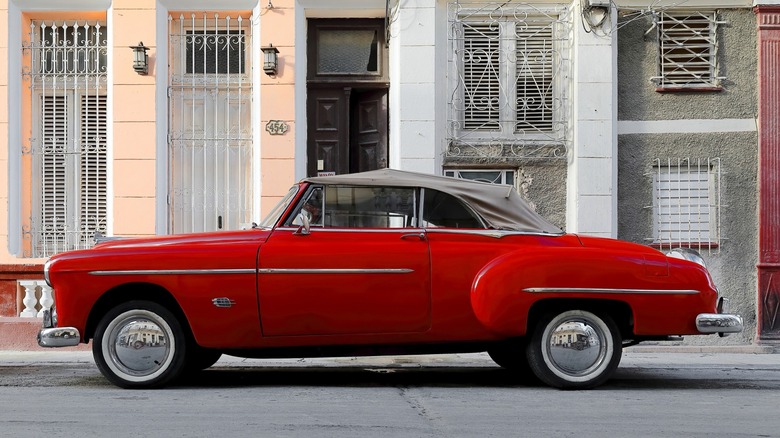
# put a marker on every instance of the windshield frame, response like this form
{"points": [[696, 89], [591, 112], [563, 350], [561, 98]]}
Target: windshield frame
{"points": [[276, 213]]}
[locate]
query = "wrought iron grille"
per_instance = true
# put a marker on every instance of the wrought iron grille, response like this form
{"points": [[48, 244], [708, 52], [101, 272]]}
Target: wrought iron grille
{"points": [[686, 203], [508, 83], [210, 130], [687, 50], [65, 70]]}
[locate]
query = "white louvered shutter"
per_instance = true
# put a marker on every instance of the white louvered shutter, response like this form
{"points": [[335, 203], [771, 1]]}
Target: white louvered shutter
{"points": [[481, 77], [93, 167], [534, 77], [55, 138]]}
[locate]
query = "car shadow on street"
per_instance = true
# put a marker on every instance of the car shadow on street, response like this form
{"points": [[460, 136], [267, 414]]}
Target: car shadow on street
{"points": [[466, 377]]}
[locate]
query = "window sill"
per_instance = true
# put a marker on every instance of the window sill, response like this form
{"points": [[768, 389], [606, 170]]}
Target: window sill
{"points": [[687, 89]]}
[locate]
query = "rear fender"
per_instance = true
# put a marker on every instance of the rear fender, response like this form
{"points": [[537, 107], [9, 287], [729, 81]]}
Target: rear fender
{"points": [[501, 298]]}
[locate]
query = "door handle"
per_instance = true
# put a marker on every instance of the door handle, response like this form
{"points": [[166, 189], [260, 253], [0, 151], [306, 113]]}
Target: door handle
{"points": [[420, 236]]}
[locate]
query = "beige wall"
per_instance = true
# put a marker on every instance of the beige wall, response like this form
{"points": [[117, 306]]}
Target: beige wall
{"points": [[135, 114], [277, 159]]}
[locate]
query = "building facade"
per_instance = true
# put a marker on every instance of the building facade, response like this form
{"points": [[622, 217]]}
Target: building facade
{"points": [[650, 122]]}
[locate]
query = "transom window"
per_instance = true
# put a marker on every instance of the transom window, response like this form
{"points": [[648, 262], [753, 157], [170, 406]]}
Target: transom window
{"points": [[687, 50]]}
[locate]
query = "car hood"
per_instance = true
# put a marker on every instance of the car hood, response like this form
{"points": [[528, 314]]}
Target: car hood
{"points": [[222, 237]]}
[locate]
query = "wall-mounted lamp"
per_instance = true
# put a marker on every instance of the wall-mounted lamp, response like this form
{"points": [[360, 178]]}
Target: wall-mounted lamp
{"points": [[270, 59], [140, 59]]}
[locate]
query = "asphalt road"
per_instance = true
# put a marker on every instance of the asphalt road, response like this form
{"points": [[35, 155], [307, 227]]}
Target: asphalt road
{"points": [[652, 395]]}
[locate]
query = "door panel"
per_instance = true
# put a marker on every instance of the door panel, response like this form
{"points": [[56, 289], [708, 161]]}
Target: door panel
{"points": [[369, 134], [328, 135], [344, 282]]}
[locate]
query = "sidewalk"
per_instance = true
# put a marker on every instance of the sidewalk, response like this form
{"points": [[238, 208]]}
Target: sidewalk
{"points": [[632, 357]]}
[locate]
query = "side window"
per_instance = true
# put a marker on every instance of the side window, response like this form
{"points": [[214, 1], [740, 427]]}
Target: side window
{"points": [[369, 207], [444, 210], [358, 207], [311, 207]]}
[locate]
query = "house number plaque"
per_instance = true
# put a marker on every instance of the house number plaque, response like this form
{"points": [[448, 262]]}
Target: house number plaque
{"points": [[276, 127]]}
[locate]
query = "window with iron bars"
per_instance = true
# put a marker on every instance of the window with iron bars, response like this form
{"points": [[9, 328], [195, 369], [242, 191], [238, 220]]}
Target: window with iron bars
{"points": [[507, 75], [687, 51], [68, 146], [686, 203]]}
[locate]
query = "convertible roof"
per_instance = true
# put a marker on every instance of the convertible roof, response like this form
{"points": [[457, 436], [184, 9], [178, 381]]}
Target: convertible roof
{"points": [[500, 205]]}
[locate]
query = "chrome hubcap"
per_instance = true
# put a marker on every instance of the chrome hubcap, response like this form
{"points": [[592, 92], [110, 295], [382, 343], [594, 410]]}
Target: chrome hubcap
{"points": [[576, 347], [138, 344]]}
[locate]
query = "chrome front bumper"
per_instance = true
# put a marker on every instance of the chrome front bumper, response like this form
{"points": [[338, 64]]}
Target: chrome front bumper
{"points": [[721, 323], [50, 336], [58, 337]]}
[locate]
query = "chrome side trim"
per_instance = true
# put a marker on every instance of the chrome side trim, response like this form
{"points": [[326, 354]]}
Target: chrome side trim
{"points": [[587, 290], [58, 337], [174, 272], [335, 271]]}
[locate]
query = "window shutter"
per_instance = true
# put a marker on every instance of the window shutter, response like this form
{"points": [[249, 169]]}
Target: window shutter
{"points": [[683, 205], [534, 77], [53, 194], [481, 77], [93, 189]]}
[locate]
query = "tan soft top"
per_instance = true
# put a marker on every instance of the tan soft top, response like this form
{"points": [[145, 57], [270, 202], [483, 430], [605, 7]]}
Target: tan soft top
{"points": [[499, 205]]}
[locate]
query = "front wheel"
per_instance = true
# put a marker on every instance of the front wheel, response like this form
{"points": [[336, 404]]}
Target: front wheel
{"points": [[139, 344], [575, 349]]}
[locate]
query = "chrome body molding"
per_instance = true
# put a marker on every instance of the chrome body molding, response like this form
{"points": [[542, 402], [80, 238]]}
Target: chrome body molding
{"points": [[335, 271], [721, 323], [588, 290], [174, 272], [496, 234], [58, 337]]}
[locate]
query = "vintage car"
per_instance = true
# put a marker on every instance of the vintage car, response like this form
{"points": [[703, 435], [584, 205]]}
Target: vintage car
{"points": [[381, 262]]}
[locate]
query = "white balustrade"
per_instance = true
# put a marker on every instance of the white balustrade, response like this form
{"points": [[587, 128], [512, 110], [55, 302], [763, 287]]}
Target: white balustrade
{"points": [[38, 297]]}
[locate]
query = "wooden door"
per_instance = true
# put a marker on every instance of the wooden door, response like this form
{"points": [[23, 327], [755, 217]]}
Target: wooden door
{"points": [[347, 130]]}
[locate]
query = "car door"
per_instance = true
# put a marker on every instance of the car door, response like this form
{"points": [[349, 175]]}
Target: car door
{"points": [[364, 266]]}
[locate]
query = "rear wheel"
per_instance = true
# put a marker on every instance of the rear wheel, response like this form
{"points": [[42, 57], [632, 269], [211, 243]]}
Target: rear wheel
{"points": [[575, 349], [139, 344]]}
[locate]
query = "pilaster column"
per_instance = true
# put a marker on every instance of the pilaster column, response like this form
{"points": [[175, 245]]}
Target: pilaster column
{"points": [[768, 304]]}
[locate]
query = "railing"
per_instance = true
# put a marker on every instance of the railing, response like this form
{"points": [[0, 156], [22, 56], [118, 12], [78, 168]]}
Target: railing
{"points": [[36, 297]]}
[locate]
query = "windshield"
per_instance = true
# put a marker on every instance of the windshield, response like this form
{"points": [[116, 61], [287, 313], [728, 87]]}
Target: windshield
{"points": [[273, 217]]}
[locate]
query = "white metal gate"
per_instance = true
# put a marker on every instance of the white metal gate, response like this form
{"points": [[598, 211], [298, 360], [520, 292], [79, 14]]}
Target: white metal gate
{"points": [[210, 131], [65, 69]]}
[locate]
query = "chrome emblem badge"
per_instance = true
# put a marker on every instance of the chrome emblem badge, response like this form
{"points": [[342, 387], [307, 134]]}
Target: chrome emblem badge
{"points": [[223, 302]]}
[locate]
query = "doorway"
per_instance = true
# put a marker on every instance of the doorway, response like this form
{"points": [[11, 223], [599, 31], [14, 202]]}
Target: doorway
{"points": [[347, 97]]}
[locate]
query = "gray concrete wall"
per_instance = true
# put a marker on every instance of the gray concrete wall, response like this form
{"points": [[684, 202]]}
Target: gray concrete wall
{"points": [[733, 265]]}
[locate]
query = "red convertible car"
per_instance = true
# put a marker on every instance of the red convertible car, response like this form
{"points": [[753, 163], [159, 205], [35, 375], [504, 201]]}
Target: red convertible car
{"points": [[382, 262]]}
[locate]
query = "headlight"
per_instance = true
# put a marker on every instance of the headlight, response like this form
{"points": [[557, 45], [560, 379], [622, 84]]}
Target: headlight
{"points": [[686, 254]]}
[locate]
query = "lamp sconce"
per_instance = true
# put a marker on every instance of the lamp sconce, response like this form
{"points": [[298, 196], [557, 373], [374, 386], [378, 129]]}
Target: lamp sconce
{"points": [[140, 59], [270, 59]]}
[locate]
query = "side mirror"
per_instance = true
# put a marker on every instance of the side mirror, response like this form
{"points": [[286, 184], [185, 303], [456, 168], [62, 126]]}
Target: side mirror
{"points": [[304, 229]]}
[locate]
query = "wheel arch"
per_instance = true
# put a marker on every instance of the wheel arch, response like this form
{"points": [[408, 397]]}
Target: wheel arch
{"points": [[133, 292], [620, 312]]}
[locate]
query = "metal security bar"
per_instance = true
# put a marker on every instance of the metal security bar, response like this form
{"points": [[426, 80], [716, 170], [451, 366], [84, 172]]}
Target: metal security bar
{"points": [[65, 70], [210, 130], [687, 203], [687, 50], [508, 92]]}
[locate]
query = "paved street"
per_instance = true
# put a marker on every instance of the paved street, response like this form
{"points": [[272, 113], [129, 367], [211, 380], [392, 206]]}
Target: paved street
{"points": [[653, 395]]}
